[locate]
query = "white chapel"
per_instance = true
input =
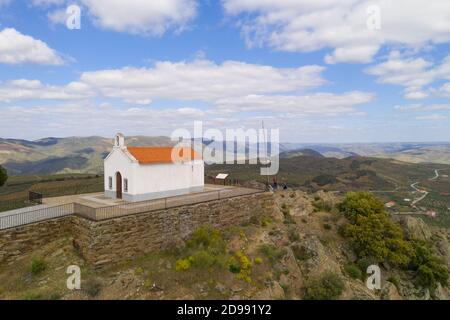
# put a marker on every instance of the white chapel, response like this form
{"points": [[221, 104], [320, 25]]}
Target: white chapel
{"points": [[145, 173]]}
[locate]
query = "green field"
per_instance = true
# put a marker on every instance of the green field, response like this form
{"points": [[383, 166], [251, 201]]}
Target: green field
{"points": [[14, 194]]}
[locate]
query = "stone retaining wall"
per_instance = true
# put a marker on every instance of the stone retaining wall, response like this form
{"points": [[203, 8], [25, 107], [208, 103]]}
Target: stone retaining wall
{"points": [[16, 242], [105, 242]]}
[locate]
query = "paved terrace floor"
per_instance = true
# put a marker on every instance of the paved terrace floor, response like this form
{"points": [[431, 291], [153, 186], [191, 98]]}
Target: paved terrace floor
{"points": [[98, 207], [98, 200], [23, 210]]}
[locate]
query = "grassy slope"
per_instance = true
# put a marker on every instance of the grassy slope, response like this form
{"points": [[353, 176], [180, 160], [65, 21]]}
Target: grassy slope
{"points": [[303, 248], [154, 275]]}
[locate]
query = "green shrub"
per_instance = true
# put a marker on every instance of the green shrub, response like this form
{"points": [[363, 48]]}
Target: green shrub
{"points": [[182, 265], [233, 265], [377, 237], [328, 287], [241, 265], [288, 219], [353, 271], [138, 271], [371, 232], [321, 205], [360, 204], [395, 281], [205, 249], [293, 235], [38, 266], [92, 287], [301, 253], [206, 237], [254, 219], [203, 259], [3, 176], [246, 266], [55, 296], [266, 221], [365, 262], [327, 226], [33, 296], [258, 260], [272, 252], [429, 268]]}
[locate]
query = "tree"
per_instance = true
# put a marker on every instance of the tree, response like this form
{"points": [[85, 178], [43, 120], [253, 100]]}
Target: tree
{"points": [[360, 204], [371, 232], [377, 237], [3, 176], [429, 268]]}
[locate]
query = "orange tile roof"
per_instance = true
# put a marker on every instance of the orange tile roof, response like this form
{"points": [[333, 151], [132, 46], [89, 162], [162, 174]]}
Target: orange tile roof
{"points": [[148, 155]]}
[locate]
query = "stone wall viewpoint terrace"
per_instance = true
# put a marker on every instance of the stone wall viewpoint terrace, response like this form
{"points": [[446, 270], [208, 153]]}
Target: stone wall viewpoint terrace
{"points": [[106, 242]]}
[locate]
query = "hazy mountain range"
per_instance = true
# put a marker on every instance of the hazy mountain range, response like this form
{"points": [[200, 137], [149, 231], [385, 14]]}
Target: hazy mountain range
{"points": [[86, 154]]}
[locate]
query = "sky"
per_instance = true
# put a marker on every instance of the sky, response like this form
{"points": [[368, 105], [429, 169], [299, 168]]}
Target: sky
{"points": [[320, 71]]}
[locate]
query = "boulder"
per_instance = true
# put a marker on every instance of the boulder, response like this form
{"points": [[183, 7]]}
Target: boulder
{"points": [[357, 290], [415, 228], [272, 292], [389, 292], [441, 293], [314, 258]]}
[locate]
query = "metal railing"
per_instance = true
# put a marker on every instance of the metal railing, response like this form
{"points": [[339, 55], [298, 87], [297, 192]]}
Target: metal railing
{"points": [[36, 215], [31, 215], [166, 203]]}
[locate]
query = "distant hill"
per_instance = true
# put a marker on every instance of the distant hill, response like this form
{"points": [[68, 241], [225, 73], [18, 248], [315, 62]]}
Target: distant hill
{"points": [[408, 152], [316, 172], [85, 154], [63, 155], [301, 152]]}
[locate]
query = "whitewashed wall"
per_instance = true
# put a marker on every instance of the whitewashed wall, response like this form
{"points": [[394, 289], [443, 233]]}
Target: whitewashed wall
{"points": [[152, 181]]}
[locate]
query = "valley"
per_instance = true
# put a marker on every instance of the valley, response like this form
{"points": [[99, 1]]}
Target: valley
{"points": [[61, 166]]}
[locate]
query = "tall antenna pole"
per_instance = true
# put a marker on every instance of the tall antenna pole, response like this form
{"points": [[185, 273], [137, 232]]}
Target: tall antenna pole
{"points": [[265, 148]]}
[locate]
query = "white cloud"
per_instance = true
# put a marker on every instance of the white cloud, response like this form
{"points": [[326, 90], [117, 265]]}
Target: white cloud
{"points": [[201, 80], [146, 17], [313, 104], [444, 90], [58, 16], [198, 80], [432, 117], [236, 91], [65, 120], [422, 107], [17, 48], [24, 89], [341, 25], [412, 73], [47, 3]]}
